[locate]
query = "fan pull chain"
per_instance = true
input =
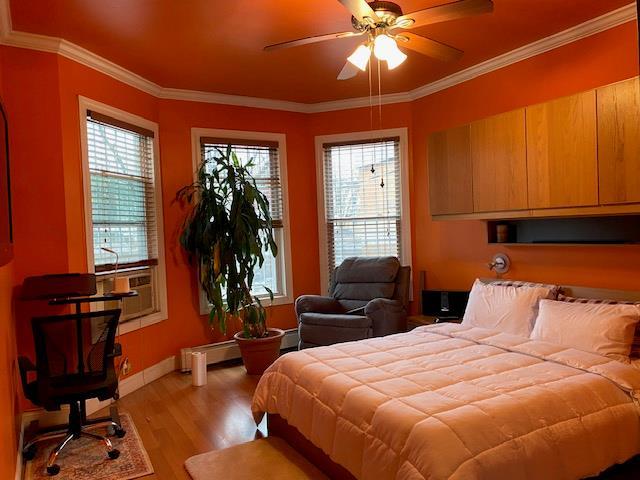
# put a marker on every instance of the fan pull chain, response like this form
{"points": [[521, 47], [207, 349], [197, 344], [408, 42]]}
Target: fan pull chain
{"points": [[373, 170], [380, 115], [379, 97], [370, 94]]}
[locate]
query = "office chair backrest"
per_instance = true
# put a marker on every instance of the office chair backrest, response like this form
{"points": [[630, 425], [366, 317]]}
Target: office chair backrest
{"points": [[77, 344], [60, 285]]}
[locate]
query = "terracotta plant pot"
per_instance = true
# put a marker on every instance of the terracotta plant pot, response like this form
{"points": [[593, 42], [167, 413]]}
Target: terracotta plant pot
{"points": [[259, 353]]}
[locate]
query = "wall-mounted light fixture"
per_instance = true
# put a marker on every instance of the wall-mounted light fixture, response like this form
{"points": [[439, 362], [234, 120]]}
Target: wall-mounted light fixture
{"points": [[500, 263]]}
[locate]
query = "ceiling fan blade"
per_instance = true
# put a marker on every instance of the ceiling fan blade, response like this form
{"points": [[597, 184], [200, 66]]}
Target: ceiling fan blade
{"points": [[315, 39], [444, 13], [429, 47], [348, 71], [360, 10]]}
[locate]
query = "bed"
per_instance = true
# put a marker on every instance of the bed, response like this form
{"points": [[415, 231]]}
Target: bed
{"points": [[454, 401]]}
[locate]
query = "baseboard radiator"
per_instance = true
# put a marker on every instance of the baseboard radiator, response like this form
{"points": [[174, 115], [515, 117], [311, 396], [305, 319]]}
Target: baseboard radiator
{"points": [[221, 351]]}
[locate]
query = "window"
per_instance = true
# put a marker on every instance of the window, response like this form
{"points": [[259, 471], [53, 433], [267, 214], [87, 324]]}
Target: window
{"points": [[124, 207], [266, 152], [364, 199], [122, 194]]}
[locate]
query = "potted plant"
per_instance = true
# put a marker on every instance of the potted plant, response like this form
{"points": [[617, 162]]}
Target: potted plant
{"points": [[226, 232]]}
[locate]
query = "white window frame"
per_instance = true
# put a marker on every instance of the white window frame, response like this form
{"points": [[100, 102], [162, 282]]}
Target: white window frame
{"points": [[405, 213], [158, 272], [285, 260]]}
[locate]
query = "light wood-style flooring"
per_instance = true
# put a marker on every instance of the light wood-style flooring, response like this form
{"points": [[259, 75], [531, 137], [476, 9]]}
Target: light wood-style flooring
{"points": [[176, 420]]}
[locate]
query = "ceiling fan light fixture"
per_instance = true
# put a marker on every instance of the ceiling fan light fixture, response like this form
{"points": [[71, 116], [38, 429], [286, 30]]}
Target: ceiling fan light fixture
{"points": [[384, 46], [396, 59], [360, 57]]}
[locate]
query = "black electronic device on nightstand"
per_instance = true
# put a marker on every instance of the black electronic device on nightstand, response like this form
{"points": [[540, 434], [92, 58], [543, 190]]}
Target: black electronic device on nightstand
{"points": [[446, 306]]}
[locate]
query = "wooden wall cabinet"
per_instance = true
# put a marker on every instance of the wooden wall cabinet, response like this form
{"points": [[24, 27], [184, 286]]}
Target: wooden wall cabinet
{"points": [[450, 188], [562, 165], [619, 142], [499, 160], [574, 156]]}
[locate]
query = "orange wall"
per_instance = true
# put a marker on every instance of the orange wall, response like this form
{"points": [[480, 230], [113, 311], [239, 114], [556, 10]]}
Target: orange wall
{"points": [[41, 93], [8, 380], [48, 187], [9, 410], [454, 253]]}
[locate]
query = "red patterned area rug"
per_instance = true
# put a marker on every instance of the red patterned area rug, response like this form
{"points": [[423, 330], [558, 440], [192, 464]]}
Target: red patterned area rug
{"points": [[85, 459]]}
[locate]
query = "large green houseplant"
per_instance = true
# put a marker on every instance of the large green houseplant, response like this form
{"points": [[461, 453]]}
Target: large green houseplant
{"points": [[226, 232]]}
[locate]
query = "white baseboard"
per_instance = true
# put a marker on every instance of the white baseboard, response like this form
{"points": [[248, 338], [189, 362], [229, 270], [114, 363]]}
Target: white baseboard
{"points": [[221, 351], [126, 386]]}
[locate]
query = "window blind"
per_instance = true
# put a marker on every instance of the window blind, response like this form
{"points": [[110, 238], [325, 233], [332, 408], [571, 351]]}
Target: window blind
{"points": [[265, 169], [123, 209], [362, 191]]}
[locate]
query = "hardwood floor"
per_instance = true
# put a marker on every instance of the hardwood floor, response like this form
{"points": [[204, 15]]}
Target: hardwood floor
{"points": [[177, 421]]}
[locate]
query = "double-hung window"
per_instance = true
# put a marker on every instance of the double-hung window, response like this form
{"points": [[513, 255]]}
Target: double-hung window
{"points": [[364, 194], [266, 153], [123, 203]]}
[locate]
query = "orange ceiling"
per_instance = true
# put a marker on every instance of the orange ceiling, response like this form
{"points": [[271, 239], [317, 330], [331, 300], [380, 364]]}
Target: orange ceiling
{"points": [[216, 45]]}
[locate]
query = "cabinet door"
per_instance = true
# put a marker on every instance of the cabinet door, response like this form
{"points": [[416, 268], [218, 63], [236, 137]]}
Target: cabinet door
{"points": [[499, 160], [619, 142], [561, 152], [450, 189]]}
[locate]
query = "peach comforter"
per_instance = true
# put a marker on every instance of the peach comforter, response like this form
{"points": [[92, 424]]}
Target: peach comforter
{"points": [[449, 401]]}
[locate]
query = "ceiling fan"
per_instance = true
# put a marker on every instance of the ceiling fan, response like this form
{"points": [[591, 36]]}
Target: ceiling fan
{"points": [[379, 20]]}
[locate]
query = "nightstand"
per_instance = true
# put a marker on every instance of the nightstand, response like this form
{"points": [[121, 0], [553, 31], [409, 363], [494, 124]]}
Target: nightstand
{"points": [[414, 321]]}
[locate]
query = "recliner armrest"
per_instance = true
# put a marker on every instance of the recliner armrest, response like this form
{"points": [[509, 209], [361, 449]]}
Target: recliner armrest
{"points": [[317, 304], [387, 316], [25, 365]]}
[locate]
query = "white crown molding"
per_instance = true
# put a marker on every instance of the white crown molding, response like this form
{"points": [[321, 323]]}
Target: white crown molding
{"points": [[237, 100], [81, 55], [591, 27], [358, 102]]}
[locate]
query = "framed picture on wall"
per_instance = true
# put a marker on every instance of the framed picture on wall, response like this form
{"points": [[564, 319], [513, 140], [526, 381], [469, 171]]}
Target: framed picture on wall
{"points": [[6, 230]]}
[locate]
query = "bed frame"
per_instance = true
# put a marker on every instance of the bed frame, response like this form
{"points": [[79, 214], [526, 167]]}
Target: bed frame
{"points": [[278, 426]]}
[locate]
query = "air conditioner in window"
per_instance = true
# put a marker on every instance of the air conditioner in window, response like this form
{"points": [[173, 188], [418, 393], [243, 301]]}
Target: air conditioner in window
{"points": [[132, 307]]}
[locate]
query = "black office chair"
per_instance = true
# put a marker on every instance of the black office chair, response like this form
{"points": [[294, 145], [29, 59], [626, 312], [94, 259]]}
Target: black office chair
{"points": [[74, 362]]}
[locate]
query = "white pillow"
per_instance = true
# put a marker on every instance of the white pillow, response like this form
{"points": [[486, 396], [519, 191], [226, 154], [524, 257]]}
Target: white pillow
{"points": [[507, 309], [604, 329]]}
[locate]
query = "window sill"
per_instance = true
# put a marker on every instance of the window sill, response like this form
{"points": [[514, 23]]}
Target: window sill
{"points": [[141, 322], [205, 308]]}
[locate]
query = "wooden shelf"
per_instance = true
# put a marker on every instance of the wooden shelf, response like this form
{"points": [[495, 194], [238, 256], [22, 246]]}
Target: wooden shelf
{"points": [[577, 232], [522, 244]]}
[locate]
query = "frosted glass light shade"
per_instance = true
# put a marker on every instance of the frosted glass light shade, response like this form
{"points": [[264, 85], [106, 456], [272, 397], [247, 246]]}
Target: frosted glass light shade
{"points": [[383, 46], [395, 59], [360, 57]]}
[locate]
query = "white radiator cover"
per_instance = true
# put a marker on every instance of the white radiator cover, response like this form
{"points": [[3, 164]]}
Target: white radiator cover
{"points": [[221, 351]]}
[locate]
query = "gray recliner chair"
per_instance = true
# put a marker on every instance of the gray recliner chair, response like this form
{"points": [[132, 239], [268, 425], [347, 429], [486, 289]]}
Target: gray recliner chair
{"points": [[368, 298]]}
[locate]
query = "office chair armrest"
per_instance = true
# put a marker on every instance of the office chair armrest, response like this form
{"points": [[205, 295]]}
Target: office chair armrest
{"points": [[25, 365], [117, 351]]}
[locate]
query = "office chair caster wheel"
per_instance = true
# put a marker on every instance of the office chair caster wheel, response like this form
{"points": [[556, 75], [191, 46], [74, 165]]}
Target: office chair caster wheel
{"points": [[113, 454], [53, 469], [29, 453], [116, 431]]}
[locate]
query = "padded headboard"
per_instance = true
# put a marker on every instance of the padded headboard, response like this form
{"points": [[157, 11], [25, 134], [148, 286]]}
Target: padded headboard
{"points": [[588, 292]]}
